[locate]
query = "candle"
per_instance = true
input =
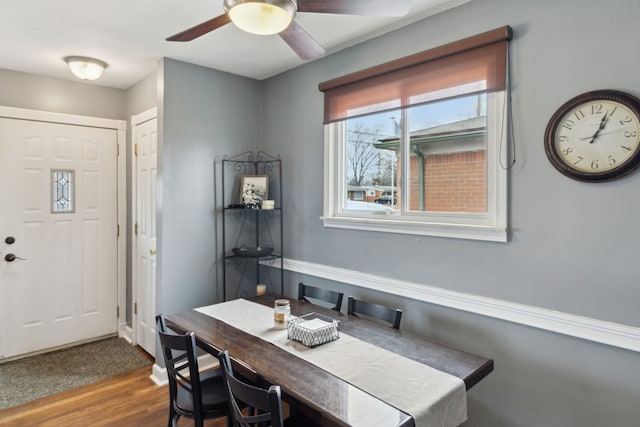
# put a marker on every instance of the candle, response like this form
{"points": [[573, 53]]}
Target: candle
{"points": [[268, 204], [281, 313], [261, 289]]}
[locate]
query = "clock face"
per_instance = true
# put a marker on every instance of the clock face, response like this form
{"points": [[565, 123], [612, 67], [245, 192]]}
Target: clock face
{"points": [[595, 136]]}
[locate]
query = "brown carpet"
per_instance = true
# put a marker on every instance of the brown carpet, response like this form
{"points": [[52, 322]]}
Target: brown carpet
{"points": [[38, 376]]}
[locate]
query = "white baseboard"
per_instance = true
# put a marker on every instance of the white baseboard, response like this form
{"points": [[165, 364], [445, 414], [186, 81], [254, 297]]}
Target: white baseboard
{"points": [[159, 374], [126, 332], [600, 331]]}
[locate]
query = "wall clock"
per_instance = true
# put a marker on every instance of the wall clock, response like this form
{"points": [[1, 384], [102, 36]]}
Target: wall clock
{"points": [[595, 136]]}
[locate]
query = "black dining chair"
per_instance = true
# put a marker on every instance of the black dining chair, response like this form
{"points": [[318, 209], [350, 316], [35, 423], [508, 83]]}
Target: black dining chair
{"points": [[390, 315], [332, 297], [264, 406], [191, 394]]}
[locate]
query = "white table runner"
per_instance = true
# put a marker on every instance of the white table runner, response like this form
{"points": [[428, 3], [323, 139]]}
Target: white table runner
{"points": [[431, 397]]}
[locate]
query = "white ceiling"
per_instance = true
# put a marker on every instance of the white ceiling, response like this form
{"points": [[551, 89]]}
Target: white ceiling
{"points": [[130, 36]]}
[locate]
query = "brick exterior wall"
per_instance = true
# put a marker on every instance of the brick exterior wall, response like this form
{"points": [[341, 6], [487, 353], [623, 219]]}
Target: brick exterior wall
{"points": [[454, 182]]}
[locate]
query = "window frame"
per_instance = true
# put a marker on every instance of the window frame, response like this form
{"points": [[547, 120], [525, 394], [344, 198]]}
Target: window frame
{"points": [[392, 86], [489, 226]]}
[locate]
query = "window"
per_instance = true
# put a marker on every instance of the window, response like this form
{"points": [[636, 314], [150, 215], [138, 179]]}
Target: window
{"points": [[62, 191], [427, 134]]}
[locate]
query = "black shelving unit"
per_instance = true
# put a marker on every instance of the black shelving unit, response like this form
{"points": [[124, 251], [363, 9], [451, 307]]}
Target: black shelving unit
{"points": [[247, 227]]}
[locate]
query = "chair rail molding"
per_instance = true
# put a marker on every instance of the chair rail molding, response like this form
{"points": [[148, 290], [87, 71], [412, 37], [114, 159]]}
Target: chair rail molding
{"points": [[599, 331]]}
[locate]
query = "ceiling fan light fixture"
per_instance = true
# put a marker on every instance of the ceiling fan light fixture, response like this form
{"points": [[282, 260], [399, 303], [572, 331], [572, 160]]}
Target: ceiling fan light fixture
{"points": [[85, 68], [262, 17]]}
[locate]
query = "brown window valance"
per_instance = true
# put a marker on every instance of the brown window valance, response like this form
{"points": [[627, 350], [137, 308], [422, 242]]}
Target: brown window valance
{"points": [[472, 65]]}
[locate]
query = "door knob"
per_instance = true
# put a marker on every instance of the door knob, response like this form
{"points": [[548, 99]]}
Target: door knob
{"points": [[152, 251], [12, 257], [10, 240]]}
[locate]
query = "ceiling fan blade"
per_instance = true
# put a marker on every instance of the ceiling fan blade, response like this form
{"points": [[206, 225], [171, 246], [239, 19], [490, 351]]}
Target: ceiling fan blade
{"points": [[301, 42], [356, 7], [200, 29]]}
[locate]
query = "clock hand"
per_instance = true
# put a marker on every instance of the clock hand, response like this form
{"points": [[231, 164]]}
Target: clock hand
{"points": [[602, 134], [603, 123]]}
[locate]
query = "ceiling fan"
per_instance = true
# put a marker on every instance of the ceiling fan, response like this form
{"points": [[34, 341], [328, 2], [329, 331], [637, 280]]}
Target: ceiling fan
{"points": [[277, 17]]}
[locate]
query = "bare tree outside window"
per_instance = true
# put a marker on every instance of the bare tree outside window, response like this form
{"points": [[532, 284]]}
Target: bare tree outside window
{"points": [[363, 158], [387, 167]]}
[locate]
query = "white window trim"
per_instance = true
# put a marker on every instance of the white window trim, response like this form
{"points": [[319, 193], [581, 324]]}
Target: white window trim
{"points": [[491, 226]]}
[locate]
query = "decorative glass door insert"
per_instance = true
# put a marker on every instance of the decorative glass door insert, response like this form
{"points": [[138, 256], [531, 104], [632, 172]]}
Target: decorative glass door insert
{"points": [[63, 191]]}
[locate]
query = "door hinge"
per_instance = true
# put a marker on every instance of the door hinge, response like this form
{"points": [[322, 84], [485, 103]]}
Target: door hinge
{"points": [[135, 149], [118, 312], [117, 150], [135, 308], [118, 230], [135, 229]]}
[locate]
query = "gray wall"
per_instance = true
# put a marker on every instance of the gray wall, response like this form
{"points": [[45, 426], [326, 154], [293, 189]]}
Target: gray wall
{"points": [[30, 91], [573, 246], [142, 96], [203, 115]]}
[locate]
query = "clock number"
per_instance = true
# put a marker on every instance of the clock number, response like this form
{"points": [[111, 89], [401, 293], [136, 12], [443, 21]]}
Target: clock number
{"points": [[626, 120], [568, 124], [579, 115], [629, 134], [594, 164], [626, 148], [579, 160], [612, 161], [563, 138], [596, 108], [567, 150]]}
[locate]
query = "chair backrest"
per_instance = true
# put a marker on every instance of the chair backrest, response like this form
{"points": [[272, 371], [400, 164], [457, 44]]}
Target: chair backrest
{"points": [[265, 405], [161, 323], [387, 314], [180, 356], [332, 297]]}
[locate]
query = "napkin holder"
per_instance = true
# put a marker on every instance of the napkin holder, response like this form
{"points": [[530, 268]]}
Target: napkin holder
{"points": [[313, 329]]}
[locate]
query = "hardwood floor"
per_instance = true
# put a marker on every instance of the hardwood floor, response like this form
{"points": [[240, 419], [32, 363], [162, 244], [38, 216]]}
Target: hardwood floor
{"points": [[130, 399]]}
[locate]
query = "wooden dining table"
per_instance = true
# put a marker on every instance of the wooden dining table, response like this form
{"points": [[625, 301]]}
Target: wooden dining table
{"points": [[330, 400]]}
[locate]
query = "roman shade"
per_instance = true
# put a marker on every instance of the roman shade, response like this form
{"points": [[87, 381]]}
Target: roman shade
{"points": [[472, 65]]}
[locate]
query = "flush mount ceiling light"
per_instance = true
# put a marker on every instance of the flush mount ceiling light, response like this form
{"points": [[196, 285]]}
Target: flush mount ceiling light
{"points": [[85, 68], [262, 17]]}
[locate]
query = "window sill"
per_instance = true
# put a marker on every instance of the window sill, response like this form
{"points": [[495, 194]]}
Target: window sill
{"points": [[455, 231]]}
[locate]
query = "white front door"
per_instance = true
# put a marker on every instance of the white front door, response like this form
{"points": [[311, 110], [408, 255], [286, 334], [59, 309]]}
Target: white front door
{"points": [[146, 140], [58, 200]]}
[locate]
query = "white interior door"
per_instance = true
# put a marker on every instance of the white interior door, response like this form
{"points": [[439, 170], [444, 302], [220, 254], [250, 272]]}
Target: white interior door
{"points": [[58, 192], [146, 140]]}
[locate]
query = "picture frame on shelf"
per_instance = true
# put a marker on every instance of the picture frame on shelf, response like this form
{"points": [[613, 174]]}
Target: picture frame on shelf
{"points": [[255, 189]]}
